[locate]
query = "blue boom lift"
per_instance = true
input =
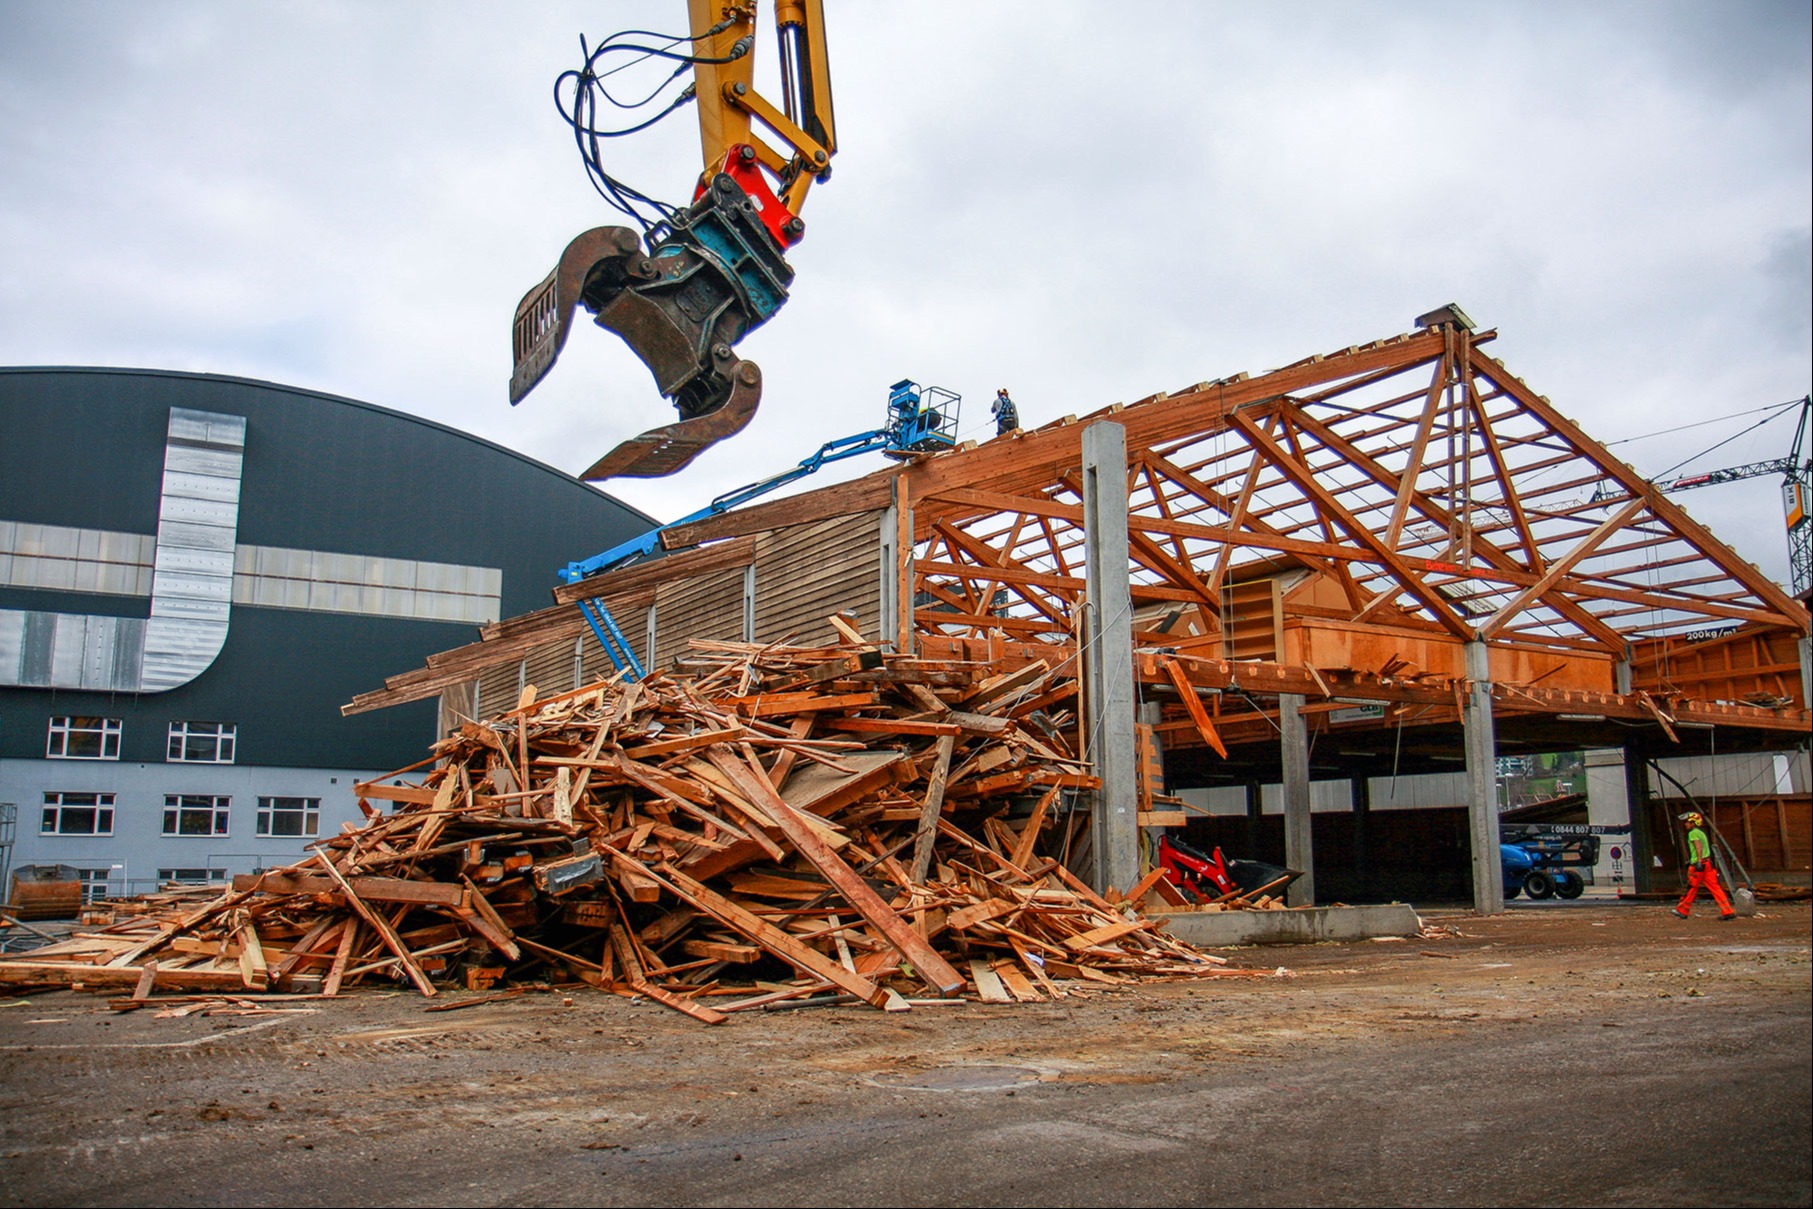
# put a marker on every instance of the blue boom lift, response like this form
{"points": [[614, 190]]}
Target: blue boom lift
{"points": [[1542, 859], [920, 419]]}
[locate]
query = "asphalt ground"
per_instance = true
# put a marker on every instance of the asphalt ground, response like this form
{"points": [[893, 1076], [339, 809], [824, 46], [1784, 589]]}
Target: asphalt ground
{"points": [[1586, 1054]]}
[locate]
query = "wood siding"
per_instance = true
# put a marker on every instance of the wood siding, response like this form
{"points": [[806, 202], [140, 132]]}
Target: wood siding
{"points": [[805, 573], [703, 606]]}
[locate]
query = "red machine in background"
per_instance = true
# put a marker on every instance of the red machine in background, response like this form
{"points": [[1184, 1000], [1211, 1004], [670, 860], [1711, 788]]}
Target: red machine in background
{"points": [[1205, 878]]}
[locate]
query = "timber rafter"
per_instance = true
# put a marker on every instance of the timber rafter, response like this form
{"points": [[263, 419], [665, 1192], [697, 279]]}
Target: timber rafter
{"points": [[1370, 508]]}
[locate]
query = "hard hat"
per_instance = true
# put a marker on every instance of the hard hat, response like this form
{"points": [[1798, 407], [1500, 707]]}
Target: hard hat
{"points": [[1692, 818], [1002, 391]]}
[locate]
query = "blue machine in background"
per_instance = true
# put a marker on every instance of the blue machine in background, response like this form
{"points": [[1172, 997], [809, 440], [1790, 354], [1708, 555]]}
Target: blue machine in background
{"points": [[1541, 859], [920, 419]]}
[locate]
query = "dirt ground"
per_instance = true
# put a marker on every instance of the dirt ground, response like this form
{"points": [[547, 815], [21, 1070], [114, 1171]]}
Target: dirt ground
{"points": [[1556, 1054]]}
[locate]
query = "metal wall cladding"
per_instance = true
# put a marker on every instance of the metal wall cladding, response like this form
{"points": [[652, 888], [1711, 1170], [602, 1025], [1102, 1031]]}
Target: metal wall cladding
{"points": [[278, 578], [190, 565], [58, 558], [71, 650], [192, 586]]}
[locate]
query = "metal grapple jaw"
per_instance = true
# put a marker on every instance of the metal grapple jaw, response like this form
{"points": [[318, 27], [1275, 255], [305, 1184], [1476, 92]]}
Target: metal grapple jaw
{"points": [[709, 277]]}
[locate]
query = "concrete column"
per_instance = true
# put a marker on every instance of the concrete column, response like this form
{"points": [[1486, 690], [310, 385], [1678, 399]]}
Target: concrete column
{"points": [[1108, 657], [1482, 784], [1642, 843], [1294, 744], [1360, 791]]}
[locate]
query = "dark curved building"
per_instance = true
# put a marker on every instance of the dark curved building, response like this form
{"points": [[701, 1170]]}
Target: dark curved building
{"points": [[196, 571]]}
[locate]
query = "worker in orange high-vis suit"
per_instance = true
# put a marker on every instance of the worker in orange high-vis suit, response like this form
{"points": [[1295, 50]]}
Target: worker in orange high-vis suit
{"points": [[1700, 873]]}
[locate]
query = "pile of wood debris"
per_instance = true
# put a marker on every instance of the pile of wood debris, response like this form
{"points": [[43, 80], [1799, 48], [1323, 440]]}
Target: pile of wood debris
{"points": [[766, 824]]}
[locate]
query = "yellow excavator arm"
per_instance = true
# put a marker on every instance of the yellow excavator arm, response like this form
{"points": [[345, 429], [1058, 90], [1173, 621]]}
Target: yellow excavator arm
{"points": [[696, 279]]}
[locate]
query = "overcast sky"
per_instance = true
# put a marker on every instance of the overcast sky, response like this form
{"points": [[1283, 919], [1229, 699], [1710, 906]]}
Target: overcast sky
{"points": [[1083, 202]]}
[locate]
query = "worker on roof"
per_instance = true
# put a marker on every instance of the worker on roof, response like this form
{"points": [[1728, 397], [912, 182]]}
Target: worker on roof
{"points": [[1007, 416], [1700, 873]]}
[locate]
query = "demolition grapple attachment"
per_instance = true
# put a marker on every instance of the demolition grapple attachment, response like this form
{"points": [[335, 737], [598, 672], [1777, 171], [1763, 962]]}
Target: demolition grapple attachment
{"points": [[711, 274]]}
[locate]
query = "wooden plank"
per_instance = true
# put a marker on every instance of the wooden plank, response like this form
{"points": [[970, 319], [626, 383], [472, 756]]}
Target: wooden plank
{"points": [[890, 726], [1017, 983], [926, 831], [667, 747], [1029, 834], [483, 918], [372, 889], [697, 1011], [987, 909], [932, 968], [1143, 885], [415, 795], [806, 960], [776, 705], [381, 926], [721, 950], [26, 971], [252, 967], [349, 935], [988, 983], [147, 982]]}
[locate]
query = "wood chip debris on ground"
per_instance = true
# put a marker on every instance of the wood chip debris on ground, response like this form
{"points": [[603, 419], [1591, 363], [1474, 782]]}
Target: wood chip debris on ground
{"points": [[765, 825]]}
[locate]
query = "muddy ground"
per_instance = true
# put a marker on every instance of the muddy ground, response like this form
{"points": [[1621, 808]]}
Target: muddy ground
{"points": [[1556, 1054]]}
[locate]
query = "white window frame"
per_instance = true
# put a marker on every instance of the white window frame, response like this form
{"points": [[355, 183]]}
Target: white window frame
{"points": [[55, 804], [94, 883], [217, 807], [64, 727], [308, 808], [224, 734]]}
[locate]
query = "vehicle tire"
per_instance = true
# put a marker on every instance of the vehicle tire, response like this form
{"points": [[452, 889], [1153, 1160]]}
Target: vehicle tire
{"points": [[1570, 884], [1511, 889], [1539, 884]]}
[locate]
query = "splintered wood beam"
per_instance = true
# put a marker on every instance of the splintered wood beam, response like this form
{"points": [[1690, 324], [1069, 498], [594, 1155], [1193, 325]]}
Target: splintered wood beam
{"points": [[1359, 533], [1193, 704], [937, 972], [930, 808]]}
